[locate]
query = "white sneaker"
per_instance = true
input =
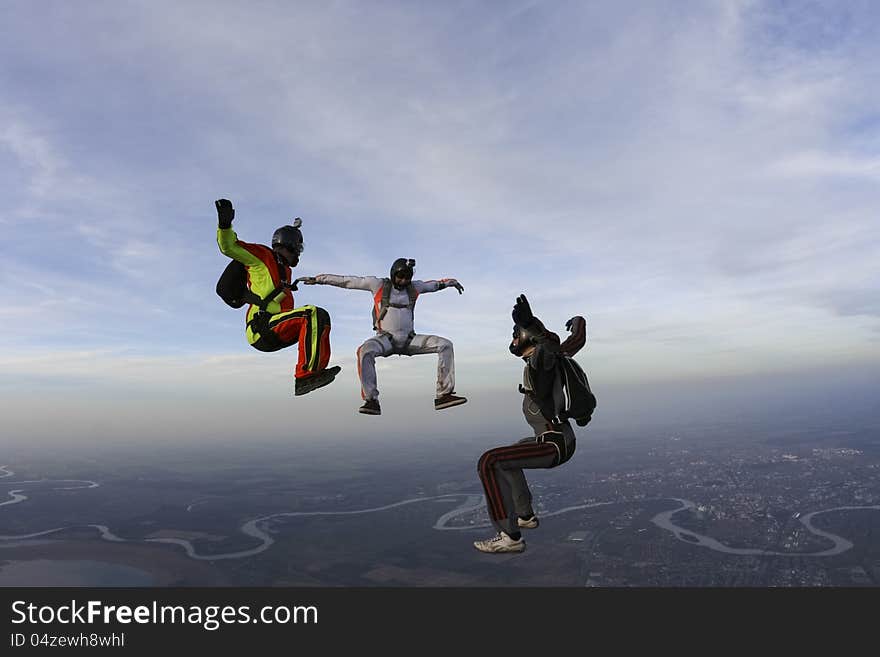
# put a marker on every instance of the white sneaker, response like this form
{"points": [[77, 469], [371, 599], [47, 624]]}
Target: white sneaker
{"points": [[528, 523], [501, 543]]}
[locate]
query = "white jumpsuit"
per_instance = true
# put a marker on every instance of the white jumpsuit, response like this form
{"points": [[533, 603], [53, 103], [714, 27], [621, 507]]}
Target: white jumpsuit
{"points": [[394, 330]]}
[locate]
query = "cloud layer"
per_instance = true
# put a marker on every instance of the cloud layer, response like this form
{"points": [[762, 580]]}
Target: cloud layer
{"points": [[699, 180]]}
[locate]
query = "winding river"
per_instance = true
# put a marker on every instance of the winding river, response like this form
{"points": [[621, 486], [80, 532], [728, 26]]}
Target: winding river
{"points": [[258, 528]]}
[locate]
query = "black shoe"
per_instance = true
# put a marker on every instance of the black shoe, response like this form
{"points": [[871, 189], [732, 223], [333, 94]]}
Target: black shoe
{"points": [[370, 407], [448, 400], [308, 383]]}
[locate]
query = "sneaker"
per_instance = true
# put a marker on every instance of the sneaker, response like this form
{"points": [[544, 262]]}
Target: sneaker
{"points": [[320, 379], [501, 543], [370, 407], [528, 523], [447, 400]]}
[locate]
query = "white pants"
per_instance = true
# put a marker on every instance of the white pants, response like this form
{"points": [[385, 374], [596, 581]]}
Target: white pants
{"points": [[381, 345]]}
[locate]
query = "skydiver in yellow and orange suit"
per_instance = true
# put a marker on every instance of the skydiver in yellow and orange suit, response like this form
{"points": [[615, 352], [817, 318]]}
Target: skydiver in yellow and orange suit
{"points": [[262, 280]]}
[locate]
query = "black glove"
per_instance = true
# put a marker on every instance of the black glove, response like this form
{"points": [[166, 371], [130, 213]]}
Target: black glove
{"points": [[225, 213], [570, 324], [522, 312]]}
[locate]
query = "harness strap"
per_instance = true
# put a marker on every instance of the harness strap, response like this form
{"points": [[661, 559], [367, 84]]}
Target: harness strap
{"points": [[381, 302], [282, 285], [397, 350], [260, 321]]}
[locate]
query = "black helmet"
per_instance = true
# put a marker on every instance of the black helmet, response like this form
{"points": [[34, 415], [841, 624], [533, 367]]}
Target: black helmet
{"points": [[402, 266], [289, 237]]}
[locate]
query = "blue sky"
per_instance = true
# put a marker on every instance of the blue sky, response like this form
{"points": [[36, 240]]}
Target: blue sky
{"points": [[699, 179]]}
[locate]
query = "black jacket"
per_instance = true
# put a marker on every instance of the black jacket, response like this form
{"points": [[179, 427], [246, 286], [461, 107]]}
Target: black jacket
{"points": [[541, 382]]}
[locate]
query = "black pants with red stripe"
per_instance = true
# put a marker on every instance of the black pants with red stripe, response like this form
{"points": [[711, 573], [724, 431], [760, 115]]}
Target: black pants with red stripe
{"points": [[501, 473]]}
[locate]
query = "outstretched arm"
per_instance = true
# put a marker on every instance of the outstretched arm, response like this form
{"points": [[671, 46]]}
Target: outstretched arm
{"points": [[435, 286], [369, 283], [578, 338]]}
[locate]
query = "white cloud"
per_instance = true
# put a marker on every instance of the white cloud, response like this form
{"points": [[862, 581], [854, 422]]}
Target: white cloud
{"points": [[823, 165]]}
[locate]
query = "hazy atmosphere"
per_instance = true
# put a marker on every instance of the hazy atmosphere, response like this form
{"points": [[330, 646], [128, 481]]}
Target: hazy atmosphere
{"points": [[698, 179]]}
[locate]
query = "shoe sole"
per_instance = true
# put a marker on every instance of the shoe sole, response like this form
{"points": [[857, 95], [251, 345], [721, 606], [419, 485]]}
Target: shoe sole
{"points": [[527, 525], [369, 412], [502, 551], [304, 390], [440, 407]]}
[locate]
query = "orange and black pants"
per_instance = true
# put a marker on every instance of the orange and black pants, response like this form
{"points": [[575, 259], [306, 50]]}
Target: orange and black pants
{"points": [[308, 326]]}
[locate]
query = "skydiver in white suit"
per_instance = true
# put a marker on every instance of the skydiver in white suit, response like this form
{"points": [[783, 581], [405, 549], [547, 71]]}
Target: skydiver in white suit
{"points": [[394, 301]]}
